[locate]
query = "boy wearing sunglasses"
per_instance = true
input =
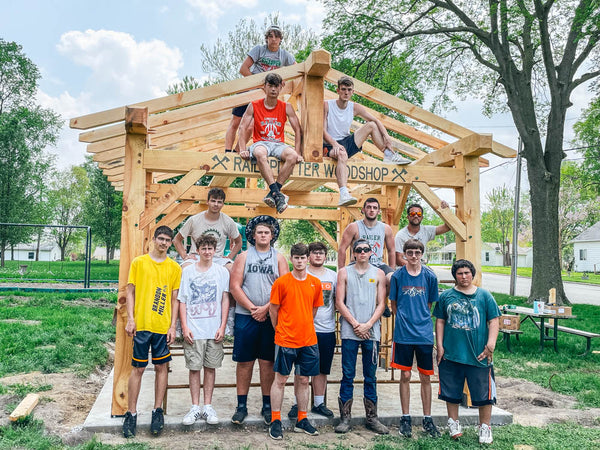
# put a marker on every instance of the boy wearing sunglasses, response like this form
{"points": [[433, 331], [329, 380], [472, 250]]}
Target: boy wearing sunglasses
{"points": [[412, 292]]}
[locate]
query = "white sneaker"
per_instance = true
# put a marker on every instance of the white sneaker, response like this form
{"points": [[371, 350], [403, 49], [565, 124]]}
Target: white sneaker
{"points": [[191, 417], [485, 434], [395, 158], [346, 200], [454, 428], [210, 415]]}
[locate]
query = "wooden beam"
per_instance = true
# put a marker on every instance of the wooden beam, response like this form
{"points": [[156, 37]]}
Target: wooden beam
{"points": [[221, 181], [323, 232], [110, 155], [474, 145], [445, 213], [102, 133], [318, 64], [170, 219], [117, 142], [184, 98], [25, 408], [401, 204], [312, 119], [136, 120]]}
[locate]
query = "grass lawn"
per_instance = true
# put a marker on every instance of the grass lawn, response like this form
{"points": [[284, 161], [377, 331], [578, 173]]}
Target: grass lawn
{"points": [[59, 270], [574, 277]]}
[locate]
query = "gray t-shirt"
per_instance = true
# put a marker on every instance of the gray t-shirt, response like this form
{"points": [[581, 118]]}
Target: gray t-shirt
{"points": [[425, 234], [260, 272], [266, 60], [376, 238], [223, 228], [325, 317], [361, 300]]}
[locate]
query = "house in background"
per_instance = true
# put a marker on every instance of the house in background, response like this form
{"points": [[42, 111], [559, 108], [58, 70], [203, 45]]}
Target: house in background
{"points": [[49, 251], [586, 249], [491, 255], [100, 254]]}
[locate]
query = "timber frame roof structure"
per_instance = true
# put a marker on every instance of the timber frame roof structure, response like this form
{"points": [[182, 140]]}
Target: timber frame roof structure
{"points": [[139, 146]]}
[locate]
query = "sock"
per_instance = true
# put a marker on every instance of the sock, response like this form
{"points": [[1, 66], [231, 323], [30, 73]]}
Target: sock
{"points": [[274, 188], [427, 416], [406, 415], [134, 414], [207, 405], [302, 415], [295, 401], [242, 400], [275, 415], [319, 399], [228, 150], [279, 185], [266, 401], [387, 152], [344, 191]]}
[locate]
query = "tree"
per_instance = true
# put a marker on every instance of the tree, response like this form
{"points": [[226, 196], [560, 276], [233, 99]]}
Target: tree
{"points": [[497, 221], [531, 53], [25, 130], [587, 131], [293, 231], [67, 194], [102, 209]]}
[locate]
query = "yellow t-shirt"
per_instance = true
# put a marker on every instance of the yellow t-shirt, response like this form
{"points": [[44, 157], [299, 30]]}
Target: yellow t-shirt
{"points": [[154, 282]]}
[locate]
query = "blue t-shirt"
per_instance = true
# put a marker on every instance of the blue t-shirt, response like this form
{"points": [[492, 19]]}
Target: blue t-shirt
{"points": [[466, 329], [412, 295]]}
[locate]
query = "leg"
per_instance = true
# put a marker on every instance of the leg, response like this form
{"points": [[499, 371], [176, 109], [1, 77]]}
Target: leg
{"points": [[363, 133], [243, 376], [231, 131], [319, 384], [341, 170], [425, 393], [194, 378], [209, 385], [161, 376], [349, 354], [485, 414], [288, 159], [452, 409], [266, 376], [302, 392], [260, 154], [370, 355], [405, 391], [277, 390], [133, 388]]}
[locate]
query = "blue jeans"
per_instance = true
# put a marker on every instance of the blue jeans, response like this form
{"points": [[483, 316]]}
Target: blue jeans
{"points": [[370, 355]]}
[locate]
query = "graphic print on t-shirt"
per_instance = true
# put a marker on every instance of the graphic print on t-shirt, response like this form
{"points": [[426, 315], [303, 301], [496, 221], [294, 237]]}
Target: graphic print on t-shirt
{"points": [[327, 288], [160, 299], [413, 291], [463, 315], [270, 129], [203, 298], [268, 64]]}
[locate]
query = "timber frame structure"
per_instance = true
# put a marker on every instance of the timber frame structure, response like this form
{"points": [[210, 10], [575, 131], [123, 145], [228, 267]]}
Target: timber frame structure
{"points": [[141, 145]]}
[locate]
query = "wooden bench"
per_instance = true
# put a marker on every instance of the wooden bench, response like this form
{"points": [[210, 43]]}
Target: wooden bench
{"points": [[586, 334], [507, 334]]}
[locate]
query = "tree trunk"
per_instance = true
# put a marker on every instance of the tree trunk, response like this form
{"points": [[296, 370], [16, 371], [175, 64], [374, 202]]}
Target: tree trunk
{"points": [[37, 248], [108, 250]]}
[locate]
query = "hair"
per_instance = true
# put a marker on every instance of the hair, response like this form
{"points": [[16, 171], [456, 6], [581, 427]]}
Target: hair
{"points": [[345, 81], [360, 242], [163, 229], [206, 239], [264, 224], [414, 205], [216, 193], [317, 246], [371, 200], [273, 79], [459, 264], [413, 244], [299, 250], [276, 30]]}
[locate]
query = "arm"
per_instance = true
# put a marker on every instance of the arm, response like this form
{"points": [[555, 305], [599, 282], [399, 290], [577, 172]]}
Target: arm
{"points": [[441, 229], [247, 119], [440, 324], [274, 314], [178, 243], [174, 315], [220, 334], [490, 346], [236, 281], [235, 247], [347, 238], [295, 124], [130, 327], [391, 246], [245, 67], [393, 293], [361, 111], [340, 295], [261, 313]]}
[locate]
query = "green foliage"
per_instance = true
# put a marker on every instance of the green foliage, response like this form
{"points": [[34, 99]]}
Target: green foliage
{"points": [[295, 231], [21, 389], [60, 270], [587, 131], [187, 84]]}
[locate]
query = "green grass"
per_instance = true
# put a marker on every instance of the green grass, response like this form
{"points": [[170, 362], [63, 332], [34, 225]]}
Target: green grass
{"points": [[574, 277], [59, 270], [22, 389], [54, 332]]}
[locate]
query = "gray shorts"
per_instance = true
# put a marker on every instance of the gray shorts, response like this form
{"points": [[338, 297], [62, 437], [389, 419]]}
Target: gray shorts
{"points": [[203, 353], [274, 149]]}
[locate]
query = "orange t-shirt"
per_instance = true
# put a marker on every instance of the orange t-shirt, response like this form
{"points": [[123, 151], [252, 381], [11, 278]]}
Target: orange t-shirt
{"points": [[269, 124], [296, 300]]}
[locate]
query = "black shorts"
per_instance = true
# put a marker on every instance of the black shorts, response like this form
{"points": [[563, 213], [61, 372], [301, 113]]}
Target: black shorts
{"points": [[143, 341], [252, 339], [326, 343], [239, 111], [481, 382], [348, 143], [304, 359], [404, 354]]}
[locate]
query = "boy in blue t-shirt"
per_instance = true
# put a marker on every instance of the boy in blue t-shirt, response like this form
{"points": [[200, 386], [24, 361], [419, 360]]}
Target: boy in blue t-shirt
{"points": [[413, 289]]}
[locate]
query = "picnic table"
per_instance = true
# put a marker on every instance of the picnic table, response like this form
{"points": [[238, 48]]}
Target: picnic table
{"points": [[544, 327]]}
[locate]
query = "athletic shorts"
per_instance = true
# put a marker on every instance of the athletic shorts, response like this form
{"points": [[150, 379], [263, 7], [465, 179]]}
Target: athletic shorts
{"points": [[481, 382], [326, 343], [239, 111], [274, 149], [252, 339], [203, 353], [348, 143], [143, 341], [304, 359], [403, 357]]}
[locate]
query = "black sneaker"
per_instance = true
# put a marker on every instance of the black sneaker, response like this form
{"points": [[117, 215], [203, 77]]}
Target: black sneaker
{"points": [[266, 413], [322, 410], [241, 412], [304, 426], [293, 414], [280, 202], [430, 428], [129, 425], [158, 422], [269, 200], [405, 426], [387, 312], [275, 430]]}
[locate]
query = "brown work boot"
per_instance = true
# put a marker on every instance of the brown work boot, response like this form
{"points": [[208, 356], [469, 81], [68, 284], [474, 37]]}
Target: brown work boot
{"points": [[345, 416], [373, 422]]}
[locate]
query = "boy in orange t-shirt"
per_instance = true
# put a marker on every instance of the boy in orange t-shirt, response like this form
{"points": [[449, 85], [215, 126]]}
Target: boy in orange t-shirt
{"points": [[295, 298]]}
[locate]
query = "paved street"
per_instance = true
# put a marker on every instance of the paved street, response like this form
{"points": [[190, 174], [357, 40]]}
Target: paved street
{"points": [[577, 292]]}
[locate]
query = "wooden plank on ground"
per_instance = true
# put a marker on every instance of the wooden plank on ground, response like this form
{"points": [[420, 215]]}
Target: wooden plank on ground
{"points": [[25, 408]]}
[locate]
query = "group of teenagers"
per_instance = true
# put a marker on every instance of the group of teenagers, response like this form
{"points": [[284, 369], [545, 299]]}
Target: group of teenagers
{"points": [[287, 320]]}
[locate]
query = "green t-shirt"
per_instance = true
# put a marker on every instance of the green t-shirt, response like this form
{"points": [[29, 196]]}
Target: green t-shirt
{"points": [[466, 330]]}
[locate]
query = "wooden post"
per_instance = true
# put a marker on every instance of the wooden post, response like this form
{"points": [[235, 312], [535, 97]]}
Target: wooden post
{"points": [[131, 246]]}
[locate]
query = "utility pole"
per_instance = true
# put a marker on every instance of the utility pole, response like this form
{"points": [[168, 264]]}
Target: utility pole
{"points": [[515, 246]]}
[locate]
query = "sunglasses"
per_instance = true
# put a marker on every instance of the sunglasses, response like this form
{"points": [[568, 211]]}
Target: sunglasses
{"points": [[362, 250], [413, 252], [318, 253], [413, 214]]}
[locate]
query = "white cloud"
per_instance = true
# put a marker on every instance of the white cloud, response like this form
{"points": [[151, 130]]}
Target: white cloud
{"points": [[314, 12], [123, 70], [213, 9]]}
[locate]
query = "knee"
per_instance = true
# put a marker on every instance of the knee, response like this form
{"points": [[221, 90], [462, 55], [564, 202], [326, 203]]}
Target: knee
{"points": [[288, 154], [160, 368], [405, 376], [303, 381], [342, 156], [424, 379], [259, 152]]}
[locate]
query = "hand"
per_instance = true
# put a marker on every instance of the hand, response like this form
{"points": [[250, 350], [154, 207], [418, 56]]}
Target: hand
{"points": [[171, 336], [488, 352], [130, 328], [259, 313], [188, 336], [245, 154], [299, 158], [362, 330], [440, 354], [220, 334]]}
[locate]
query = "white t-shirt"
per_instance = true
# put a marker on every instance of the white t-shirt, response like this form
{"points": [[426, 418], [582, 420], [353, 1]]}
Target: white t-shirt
{"points": [[223, 228], [426, 233], [339, 120], [202, 293], [325, 317]]}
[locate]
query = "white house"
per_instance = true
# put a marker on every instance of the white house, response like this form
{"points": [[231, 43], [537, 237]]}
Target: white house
{"points": [[491, 255], [49, 251], [586, 248]]}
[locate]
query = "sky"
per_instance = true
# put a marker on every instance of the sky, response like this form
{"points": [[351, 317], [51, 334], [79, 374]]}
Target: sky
{"points": [[99, 55]]}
